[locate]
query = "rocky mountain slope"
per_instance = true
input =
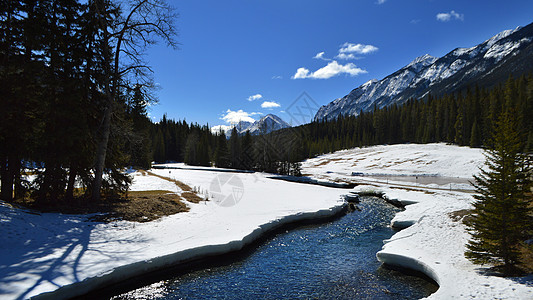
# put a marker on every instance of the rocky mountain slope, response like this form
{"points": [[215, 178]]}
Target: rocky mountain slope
{"points": [[486, 64], [265, 125]]}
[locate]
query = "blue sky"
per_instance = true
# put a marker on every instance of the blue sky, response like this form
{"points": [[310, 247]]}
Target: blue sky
{"points": [[244, 59]]}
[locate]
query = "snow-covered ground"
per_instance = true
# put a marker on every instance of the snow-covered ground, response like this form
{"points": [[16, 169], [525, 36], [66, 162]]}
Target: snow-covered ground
{"points": [[434, 241], [434, 165], [42, 252], [46, 252]]}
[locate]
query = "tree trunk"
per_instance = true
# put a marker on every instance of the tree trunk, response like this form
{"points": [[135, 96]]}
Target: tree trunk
{"points": [[101, 152], [109, 91], [69, 195], [7, 181], [19, 190]]}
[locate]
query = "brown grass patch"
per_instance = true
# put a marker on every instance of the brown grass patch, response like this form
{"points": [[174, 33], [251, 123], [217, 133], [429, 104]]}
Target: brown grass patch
{"points": [[139, 206], [327, 161], [461, 215], [180, 184], [188, 193], [372, 166], [526, 257], [412, 189], [142, 206], [191, 197]]}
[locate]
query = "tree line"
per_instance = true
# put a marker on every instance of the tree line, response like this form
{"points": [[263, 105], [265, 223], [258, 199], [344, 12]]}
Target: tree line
{"points": [[178, 141], [465, 118], [74, 90]]}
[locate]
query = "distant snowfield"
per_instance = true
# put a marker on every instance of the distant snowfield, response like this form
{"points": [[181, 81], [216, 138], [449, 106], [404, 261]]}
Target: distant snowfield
{"points": [[433, 240], [68, 255], [399, 160]]}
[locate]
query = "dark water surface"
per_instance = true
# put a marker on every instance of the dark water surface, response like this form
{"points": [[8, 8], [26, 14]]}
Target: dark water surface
{"points": [[336, 260]]}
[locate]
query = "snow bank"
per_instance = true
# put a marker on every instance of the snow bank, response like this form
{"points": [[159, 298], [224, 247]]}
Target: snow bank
{"points": [[431, 241], [121, 273], [436, 160], [69, 255], [435, 245]]}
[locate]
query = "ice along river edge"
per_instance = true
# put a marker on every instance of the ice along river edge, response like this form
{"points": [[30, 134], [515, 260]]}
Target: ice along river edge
{"points": [[194, 255]]}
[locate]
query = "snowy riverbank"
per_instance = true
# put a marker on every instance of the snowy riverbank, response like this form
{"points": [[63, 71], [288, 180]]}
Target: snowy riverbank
{"points": [[434, 239], [42, 253]]}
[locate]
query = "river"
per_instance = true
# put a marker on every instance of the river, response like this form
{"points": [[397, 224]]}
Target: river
{"points": [[335, 260]]}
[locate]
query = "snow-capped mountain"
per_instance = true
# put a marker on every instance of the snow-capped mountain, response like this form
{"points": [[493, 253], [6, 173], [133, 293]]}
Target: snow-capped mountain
{"points": [[242, 126], [486, 64], [266, 125]]}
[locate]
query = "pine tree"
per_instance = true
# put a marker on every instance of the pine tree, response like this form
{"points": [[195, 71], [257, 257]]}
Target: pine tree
{"points": [[159, 147], [123, 41], [138, 142], [221, 151], [459, 126], [203, 151], [475, 135], [500, 219], [248, 152], [235, 151], [15, 57]]}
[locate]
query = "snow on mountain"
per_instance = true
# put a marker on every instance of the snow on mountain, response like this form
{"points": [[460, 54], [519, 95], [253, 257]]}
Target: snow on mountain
{"points": [[364, 97], [242, 126], [265, 125], [504, 53], [421, 61]]}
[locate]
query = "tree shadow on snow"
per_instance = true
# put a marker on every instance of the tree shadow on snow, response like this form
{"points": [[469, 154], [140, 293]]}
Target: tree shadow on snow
{"points": [[45, 248]]}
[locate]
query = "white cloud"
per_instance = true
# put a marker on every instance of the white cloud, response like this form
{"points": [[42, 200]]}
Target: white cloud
{"points": [[277, 77], [234, 117], [346, 56], [415, 21], [255, 97], [445, 17], [357, 48], [225, 128], [320, 55], [381, 1], [301, 73], [270, 104], [330, 70]]}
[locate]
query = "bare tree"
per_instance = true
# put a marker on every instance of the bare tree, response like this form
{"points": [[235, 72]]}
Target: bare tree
{"points": [[128, 28]]}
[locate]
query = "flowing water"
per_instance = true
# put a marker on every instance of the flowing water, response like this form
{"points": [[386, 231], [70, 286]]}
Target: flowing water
{"points": [[336, 260]]}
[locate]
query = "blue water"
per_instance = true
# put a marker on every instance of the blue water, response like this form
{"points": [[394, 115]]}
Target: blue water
{"points": [[336, 260]]}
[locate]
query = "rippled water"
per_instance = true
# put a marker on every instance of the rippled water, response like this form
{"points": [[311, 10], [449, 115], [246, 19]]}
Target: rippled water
{"points": [[329, 261]]}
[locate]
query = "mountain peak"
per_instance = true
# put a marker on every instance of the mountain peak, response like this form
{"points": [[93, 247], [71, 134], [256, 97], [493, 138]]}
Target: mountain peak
{"points": [[425, 59], [421, 61], [266, 124], [368, 83], [485, 64], [271, 116], [500, 36]]}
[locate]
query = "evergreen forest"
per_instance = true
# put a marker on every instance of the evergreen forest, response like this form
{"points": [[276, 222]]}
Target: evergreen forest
{"points": [[74, 90], [75, 93], [465, 118]]}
